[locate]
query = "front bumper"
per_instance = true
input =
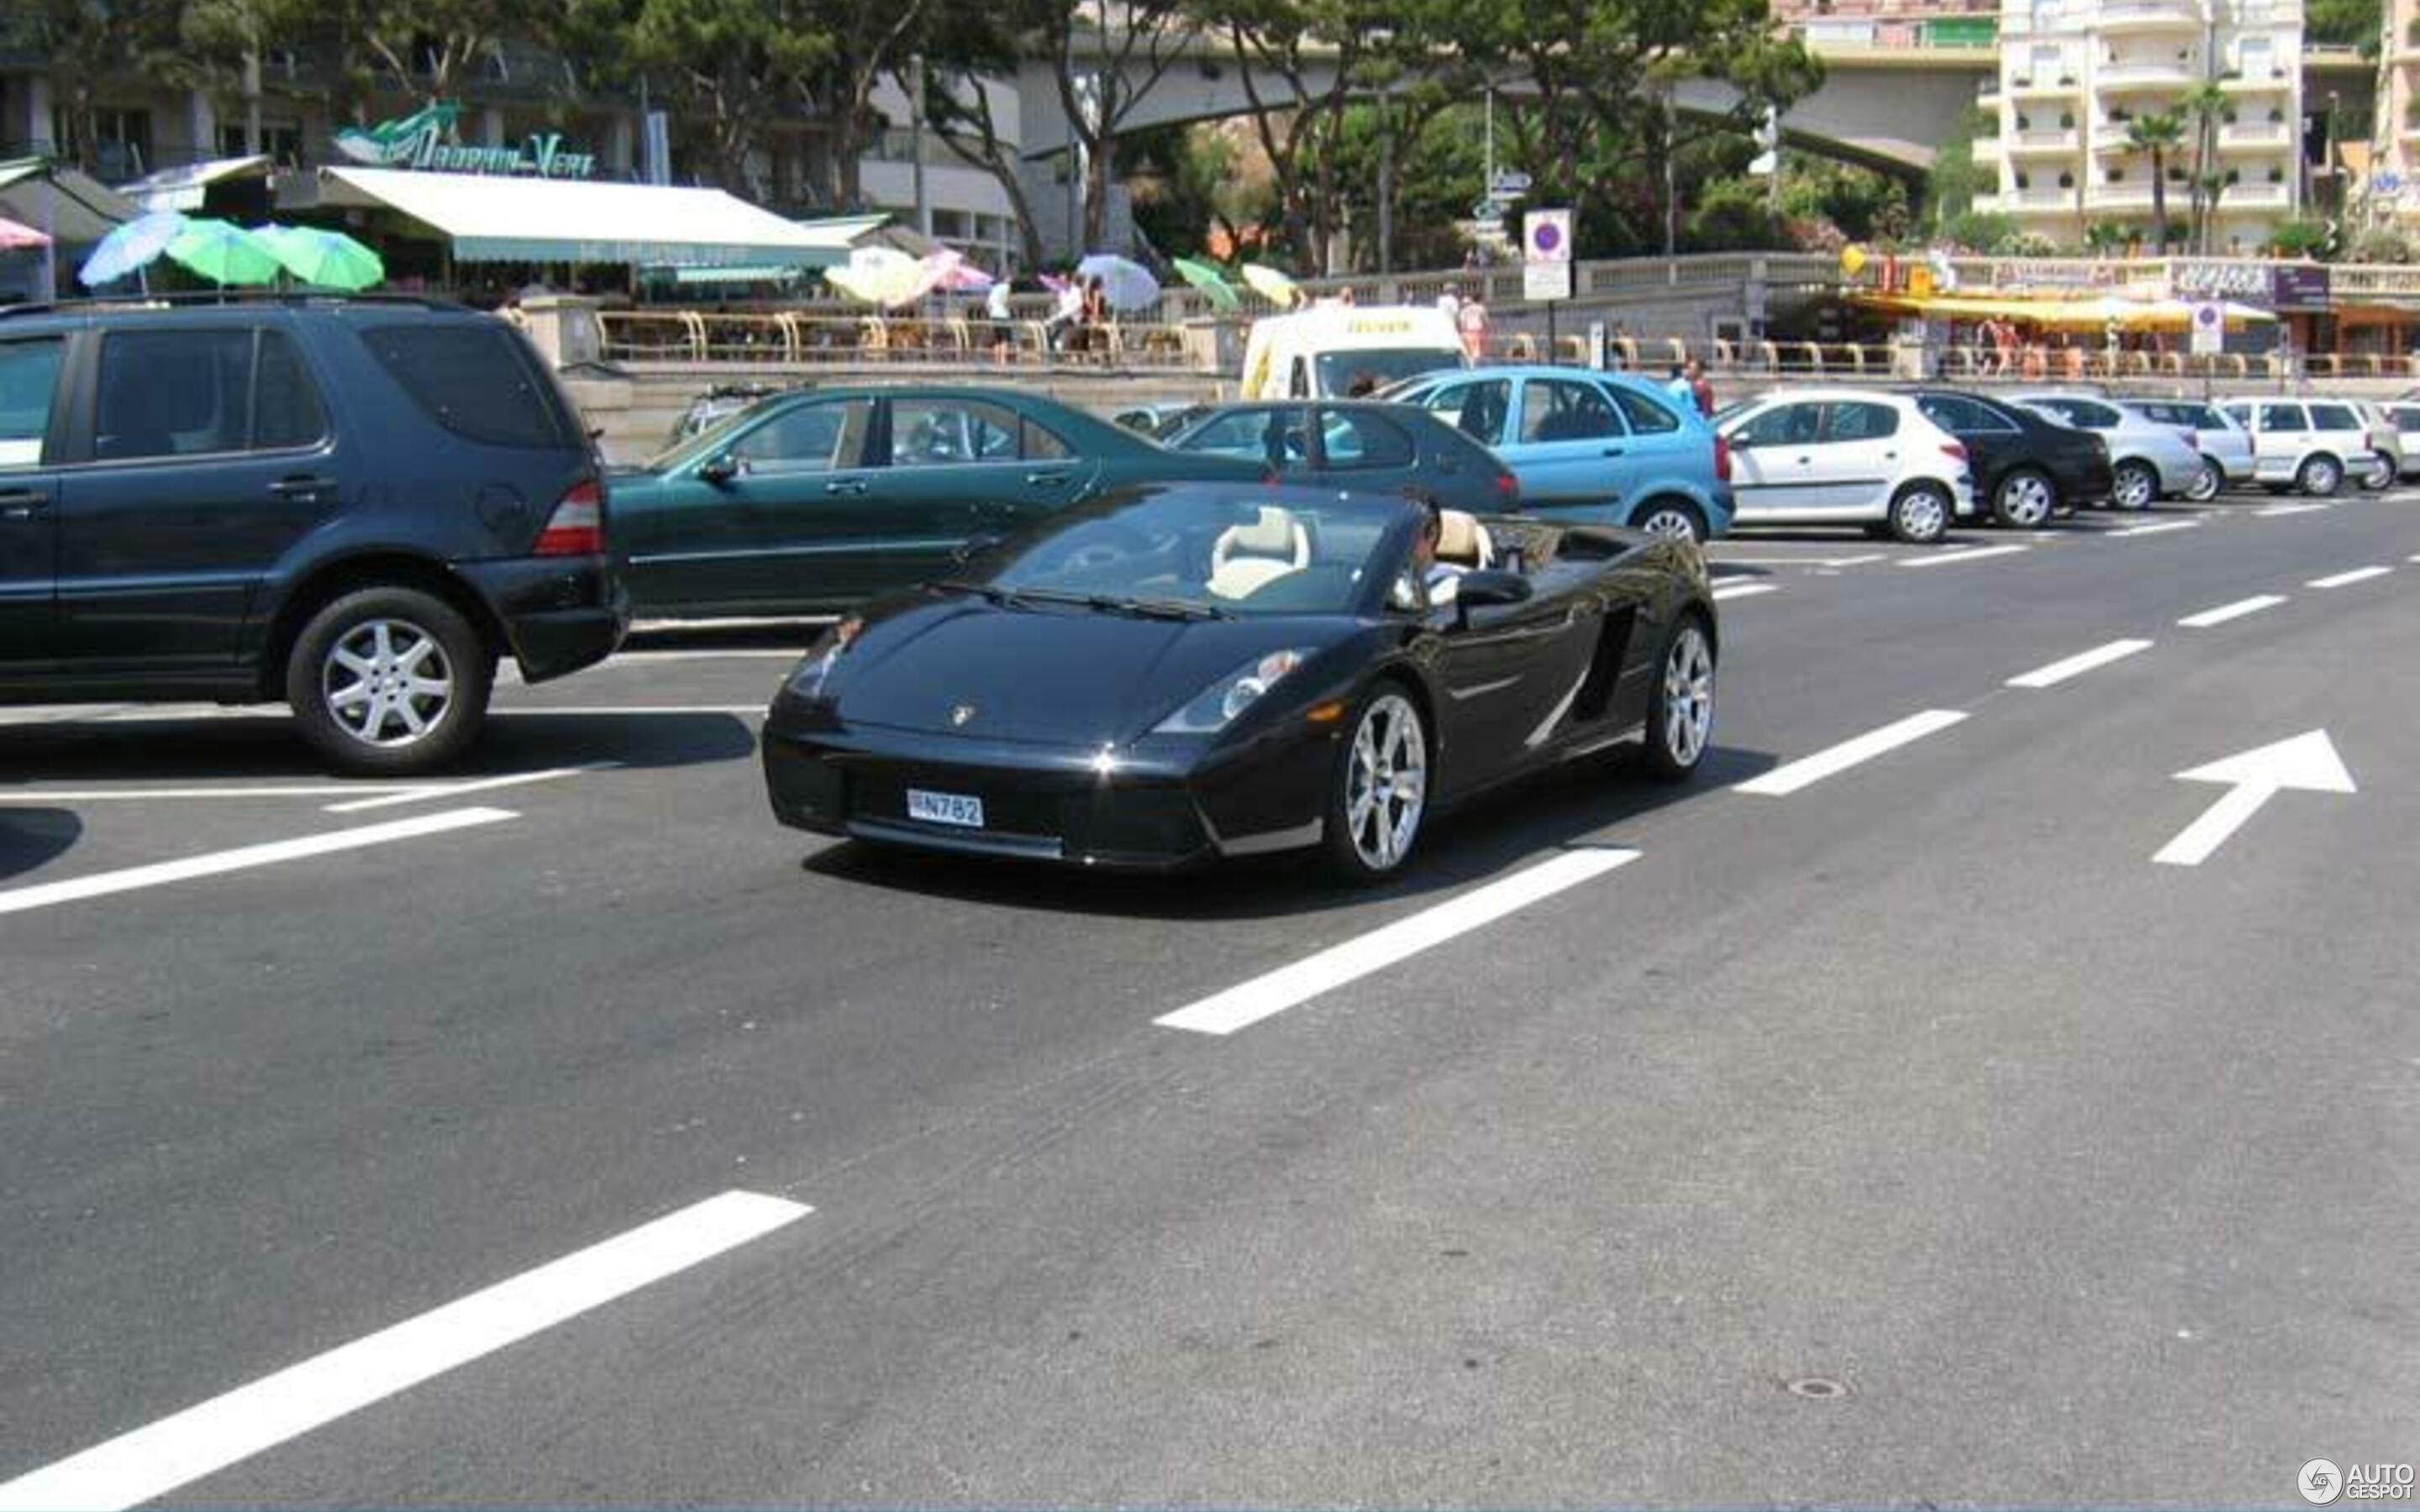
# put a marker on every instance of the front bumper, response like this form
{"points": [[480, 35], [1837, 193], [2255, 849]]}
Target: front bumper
{"points": [[1152, 806], [560, 613]]}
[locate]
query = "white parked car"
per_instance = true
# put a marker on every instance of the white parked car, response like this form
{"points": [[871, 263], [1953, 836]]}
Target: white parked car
{"points": [[2386, 443], [2147, 461], [2407, 430], [2224, 445], [1846, 457], [2310, 444]]}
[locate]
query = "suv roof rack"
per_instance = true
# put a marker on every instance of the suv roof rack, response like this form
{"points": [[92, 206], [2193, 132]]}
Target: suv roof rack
{"points": [[207, 299]]}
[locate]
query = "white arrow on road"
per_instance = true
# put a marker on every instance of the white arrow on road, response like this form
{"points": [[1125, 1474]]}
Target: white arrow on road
{"points": [[2307, 762]]}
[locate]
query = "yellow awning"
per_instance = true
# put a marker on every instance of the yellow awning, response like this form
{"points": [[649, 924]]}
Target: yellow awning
{"points": [[2094, 313]]}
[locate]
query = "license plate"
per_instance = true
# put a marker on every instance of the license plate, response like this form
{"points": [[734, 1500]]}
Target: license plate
{"points": [[945, 808]]}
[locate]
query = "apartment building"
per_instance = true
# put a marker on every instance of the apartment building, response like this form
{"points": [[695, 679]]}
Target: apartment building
{"points": [[2394, 185], [2075, 76], [1834, 25]]}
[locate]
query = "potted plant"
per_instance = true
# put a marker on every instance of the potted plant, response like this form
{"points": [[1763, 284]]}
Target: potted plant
{"points": [[2235, 176], [2228, 116], [2066, 180], [2276, 174], [2067, 120]]}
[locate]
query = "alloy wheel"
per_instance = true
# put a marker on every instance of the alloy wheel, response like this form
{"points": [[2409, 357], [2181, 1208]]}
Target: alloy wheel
{"points": [[2026, 500], [387, 683], [1386, 784], [1921, 515], [1671, 524], [2205, 483], [1688, 697], [2136, 486]]}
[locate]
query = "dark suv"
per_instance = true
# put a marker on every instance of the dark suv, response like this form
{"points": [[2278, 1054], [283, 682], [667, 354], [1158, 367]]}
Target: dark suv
{"points": [[352, 506]]}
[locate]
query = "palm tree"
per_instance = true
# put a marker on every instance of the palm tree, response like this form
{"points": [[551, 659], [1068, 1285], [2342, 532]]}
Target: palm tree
{"points": [[2158, 135], [2203, 105]]}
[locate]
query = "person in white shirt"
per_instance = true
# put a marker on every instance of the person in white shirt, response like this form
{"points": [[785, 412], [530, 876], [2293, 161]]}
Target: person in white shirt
{"points": [[1004, 329], [1450, 304]]}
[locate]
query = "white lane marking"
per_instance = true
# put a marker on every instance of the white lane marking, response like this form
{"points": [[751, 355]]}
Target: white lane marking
{"points": [[586, 711], [2236, 610], [1242, 1006], [2160, 527], [1745, 590], [2358, 575], [1787, 778], [750, 654], [1867, 559], [2077, 665], [766, 623], [328, 790], [1971, 554], [76, 889], [2275, 510], [1727, 559], [454, 789], [152, 1460]]}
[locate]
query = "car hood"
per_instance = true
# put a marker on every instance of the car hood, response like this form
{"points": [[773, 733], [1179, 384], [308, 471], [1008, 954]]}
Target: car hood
{"points": [[1048, 674]]}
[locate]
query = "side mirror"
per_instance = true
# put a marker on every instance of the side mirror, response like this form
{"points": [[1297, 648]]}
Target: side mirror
{"points": [[719, 468], [1478, 589], [1740, 443]]}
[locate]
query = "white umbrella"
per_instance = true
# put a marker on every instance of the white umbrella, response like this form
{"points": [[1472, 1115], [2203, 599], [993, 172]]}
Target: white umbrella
{"points": [[1125, 283], [881, 275]]}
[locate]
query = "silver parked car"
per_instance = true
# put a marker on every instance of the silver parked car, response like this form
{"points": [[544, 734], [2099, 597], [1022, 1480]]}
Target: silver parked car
{"points": [[2224, 445], [2407, 431], [2147, 461], [2312, 445]]}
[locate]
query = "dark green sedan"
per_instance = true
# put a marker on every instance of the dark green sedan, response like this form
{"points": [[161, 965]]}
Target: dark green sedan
{"points": [[810, 503]]}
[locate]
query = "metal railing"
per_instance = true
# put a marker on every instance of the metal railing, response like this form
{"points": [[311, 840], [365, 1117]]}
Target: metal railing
{"points": [[806, 338]]}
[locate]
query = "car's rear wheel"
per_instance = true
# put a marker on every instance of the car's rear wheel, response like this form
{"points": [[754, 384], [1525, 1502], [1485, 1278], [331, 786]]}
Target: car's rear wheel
{"points": [[2320, 476], [2206, 482], [2379, 477], [1681, 709], [1379, 792], [389, 681], [2026, 498], [2135, 485], [1672, 519], [1919, 513]]}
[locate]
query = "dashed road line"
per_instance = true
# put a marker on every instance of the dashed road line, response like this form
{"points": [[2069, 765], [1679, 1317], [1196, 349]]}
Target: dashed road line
{"points": [[1805, 772], [135, 794], [2160, 529], [2077, 665], [1971, 554], [2343, 579], [454, 790], [1744, 590], [216, 863], [2274, 511], [152, 1460], [1264, 996], [2236, 610]]}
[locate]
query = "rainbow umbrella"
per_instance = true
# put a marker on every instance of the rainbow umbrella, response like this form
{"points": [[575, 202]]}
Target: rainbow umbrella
{"points": [[1210, 281], [223, 254]]}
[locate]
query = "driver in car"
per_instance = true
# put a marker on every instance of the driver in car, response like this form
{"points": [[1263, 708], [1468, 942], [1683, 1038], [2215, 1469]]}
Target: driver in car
{"points": [[1441, 578]]}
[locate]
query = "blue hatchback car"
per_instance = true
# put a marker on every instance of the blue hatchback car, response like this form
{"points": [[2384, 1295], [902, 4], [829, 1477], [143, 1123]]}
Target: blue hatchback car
{"points": [[1604, 447]]}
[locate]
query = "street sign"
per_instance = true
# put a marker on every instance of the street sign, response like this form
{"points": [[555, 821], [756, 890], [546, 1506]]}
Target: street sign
{"points": [[1546, 280], [1508, 185], [2207, 320], [2308, 762], [1546, 236]]}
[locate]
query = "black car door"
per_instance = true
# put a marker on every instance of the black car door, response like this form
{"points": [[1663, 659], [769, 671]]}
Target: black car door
{"points": [[1509, 673], [29, 522], [1992, 444], [205, 457]]}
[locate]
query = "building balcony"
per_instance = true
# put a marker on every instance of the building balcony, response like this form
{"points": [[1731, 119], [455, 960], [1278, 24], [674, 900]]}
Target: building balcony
{"points": [[2049, 86], [2145, 73], [2270, 81], [2125, 196], [2041, 142], [2249, 197], [2273, 136], [2034, 201], [2120, 18]]}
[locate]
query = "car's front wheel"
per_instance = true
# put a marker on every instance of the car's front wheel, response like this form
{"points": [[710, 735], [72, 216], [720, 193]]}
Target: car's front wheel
{"points": [[2207, 483], [1681, 707], [2320, 476], [2136, 485], [2026, 498], [1379, 791], [1673, 520], [1919, 513], [389, 681]]}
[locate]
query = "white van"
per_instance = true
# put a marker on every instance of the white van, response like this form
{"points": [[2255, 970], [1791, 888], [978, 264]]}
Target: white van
{"points": [[1323, 352]]}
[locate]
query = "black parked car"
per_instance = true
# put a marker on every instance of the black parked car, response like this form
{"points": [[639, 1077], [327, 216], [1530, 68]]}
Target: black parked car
{"points": [[352, 506], [2026, 469]]}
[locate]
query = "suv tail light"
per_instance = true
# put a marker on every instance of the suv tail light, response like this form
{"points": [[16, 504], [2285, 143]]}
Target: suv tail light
{"points": [[1722, 457], [577, 527], [1508, 487]]}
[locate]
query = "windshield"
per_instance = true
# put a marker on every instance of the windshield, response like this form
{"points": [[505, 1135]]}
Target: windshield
{"points": [[1205, 553], [1359, 374]]}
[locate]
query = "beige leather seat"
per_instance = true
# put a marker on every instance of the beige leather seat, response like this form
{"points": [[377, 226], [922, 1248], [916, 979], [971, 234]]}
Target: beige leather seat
{"points": [[1462, 541], [1247, 558]]}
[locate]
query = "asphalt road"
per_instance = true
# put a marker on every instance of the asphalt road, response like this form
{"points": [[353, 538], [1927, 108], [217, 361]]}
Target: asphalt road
{"points": [[1892, 1132]]}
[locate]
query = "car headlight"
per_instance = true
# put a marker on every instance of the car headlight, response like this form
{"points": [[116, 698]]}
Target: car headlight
{"points": [[1219, 703], [808, 680]]}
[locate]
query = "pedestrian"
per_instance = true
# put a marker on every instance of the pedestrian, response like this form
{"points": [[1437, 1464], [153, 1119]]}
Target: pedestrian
{"points": [[1067, 317], [1702, 389], [1677, 384], [1004, 331], [1473, 318], [1345, 296], [1097, 316], [1449, 304]]}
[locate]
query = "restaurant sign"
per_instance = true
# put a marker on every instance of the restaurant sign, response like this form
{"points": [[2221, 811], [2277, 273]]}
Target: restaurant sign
{"points": [[2243, 281], [426, 139], [2300, 286]]}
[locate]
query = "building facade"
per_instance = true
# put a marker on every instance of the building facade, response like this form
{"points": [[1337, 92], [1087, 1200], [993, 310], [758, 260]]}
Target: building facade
{"points": [[1837, 25], [2076, 75]]}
